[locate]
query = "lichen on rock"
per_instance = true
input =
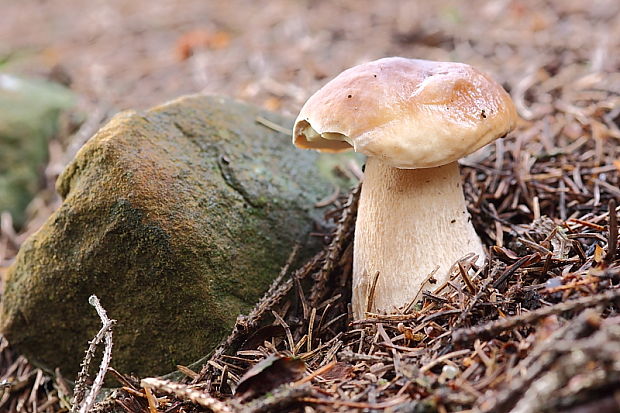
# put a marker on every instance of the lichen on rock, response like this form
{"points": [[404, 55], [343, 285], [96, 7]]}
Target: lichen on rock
{"points": [[178, 219]]}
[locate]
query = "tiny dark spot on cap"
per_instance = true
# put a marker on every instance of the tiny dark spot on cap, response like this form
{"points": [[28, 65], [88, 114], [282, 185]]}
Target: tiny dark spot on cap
{"points": [[483, 114], [375, 75], [350, 96], [453, 221]]}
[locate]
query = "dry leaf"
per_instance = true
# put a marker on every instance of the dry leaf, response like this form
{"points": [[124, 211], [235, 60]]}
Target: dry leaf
{"points": [[268, 374]]}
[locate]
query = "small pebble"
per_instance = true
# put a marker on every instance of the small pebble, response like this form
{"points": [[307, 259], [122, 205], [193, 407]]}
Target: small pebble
{"points": [[370, 377], [449, 371], [553, 282]]}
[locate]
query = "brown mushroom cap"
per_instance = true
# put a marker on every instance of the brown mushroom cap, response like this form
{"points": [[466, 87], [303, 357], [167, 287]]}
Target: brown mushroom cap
{"points": [[410, 113]]}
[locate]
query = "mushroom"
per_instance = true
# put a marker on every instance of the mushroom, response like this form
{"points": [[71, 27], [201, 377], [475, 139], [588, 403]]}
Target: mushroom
{"points": [[414, 119]]}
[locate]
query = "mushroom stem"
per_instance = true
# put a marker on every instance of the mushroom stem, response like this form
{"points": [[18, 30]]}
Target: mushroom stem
{"points": [[410, 221]]}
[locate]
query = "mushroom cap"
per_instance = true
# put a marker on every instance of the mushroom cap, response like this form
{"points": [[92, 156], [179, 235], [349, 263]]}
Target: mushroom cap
{"points": [[410, 113]]}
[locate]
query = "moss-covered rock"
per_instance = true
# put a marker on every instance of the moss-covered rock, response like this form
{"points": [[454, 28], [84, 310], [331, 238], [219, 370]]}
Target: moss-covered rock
{"points": [[177, 219], [29, 110]]}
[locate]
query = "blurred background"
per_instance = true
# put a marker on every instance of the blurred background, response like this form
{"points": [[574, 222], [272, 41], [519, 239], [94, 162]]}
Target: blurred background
{"points": [[104, 56]]}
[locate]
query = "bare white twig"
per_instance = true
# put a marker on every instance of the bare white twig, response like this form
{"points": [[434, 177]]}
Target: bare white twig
{"points": [[83, 402]]}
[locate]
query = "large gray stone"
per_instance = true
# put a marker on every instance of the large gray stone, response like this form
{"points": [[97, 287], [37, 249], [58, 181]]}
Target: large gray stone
{"points": [[29, 111], [177, 219]]}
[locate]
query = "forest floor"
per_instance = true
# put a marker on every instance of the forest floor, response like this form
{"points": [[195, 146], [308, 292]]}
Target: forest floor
{"points": [[534, 329]]}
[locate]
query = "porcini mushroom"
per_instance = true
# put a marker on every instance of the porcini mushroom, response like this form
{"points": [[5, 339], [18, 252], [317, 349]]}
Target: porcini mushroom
{"points": [[414, 119]]}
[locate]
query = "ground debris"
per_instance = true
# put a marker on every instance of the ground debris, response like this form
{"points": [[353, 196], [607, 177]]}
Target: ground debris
{"points": [[536, 328]]}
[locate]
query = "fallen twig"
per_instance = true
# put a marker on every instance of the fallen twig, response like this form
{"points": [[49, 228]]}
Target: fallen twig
{"points": [[493, 328], [82, 401], [187, 392]]}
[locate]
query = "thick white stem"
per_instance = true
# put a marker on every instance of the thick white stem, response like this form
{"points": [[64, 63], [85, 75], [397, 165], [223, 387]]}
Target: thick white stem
{"points": [[410, 221]]}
